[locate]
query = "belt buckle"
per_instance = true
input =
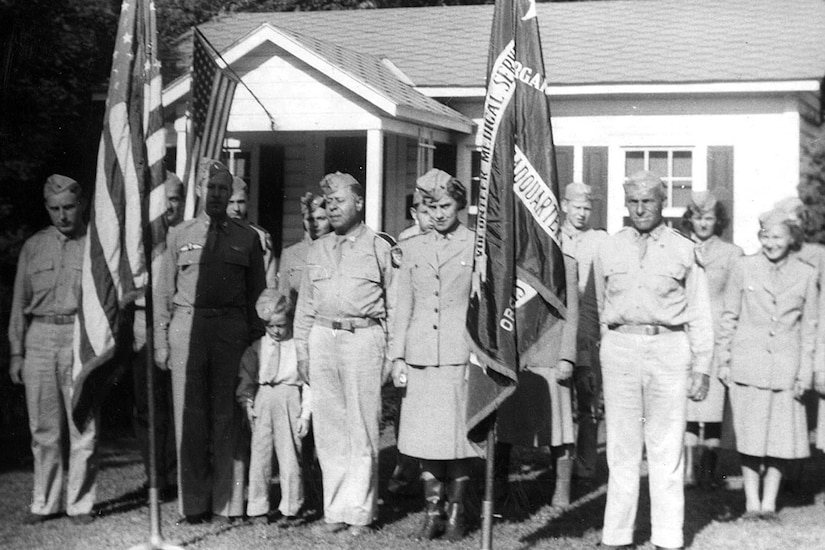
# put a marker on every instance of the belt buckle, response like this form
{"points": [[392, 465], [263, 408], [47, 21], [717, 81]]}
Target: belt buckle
{"points": [[336, 325], [343, 325], [651, 330]]}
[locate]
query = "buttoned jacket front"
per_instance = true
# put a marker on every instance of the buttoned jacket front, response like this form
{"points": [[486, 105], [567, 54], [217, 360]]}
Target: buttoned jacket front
{"points": [[432, 297], [768, 329]]}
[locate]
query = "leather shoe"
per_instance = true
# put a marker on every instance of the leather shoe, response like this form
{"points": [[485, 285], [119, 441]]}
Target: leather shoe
{"points": [[329, 528], [358, 530], [33, 519], [82, 519], [194, 519]]}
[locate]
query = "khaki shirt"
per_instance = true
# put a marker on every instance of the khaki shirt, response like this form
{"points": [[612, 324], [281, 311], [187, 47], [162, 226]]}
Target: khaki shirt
{"points": [[209, 269], [293, 262], [665, 287], [47, 281], [354, 287]]}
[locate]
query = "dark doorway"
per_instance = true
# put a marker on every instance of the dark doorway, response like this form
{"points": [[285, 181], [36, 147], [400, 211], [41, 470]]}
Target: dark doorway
{"points": [[271, 199]]}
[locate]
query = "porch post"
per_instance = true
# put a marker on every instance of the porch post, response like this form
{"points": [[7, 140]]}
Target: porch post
{"points": [[180, 134], [374, 207]]}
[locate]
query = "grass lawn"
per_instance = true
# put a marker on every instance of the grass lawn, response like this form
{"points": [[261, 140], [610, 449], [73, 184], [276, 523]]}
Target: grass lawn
{"points": [[712, 517]]}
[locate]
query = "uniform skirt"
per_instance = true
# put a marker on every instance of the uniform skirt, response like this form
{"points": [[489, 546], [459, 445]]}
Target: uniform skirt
{"points": [[712, 407], [769, 422], [433, 422], [539, 413]]}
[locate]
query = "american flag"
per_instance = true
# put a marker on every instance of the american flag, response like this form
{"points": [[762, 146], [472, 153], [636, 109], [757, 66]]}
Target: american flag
{"points": [[212, 91], [128, 202]]}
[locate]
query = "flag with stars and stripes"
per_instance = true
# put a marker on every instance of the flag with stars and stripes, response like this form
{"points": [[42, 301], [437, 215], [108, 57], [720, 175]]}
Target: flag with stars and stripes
{"points": [[518, 295], [213, 89], [127, 207]]}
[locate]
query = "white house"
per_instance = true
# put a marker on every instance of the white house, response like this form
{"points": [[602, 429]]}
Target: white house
{"points": [[709, 94]]}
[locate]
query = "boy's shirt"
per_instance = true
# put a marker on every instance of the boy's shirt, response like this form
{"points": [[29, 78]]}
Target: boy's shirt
{"points": [[268, 362]]}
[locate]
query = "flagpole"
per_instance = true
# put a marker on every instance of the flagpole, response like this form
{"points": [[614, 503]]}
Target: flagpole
{"points": [[489, 497]]}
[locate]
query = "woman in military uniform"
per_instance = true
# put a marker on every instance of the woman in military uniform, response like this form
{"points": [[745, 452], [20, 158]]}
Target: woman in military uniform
{"points": [[430, 354]]}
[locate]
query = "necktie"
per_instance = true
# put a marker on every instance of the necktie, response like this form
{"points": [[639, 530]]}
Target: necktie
{"points": [[643, 239]]}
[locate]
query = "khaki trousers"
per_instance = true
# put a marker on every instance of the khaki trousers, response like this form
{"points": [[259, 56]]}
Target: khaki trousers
{"points": [[47, 374], [277, 412], [204, 356], [345, 375], [645, 394]]}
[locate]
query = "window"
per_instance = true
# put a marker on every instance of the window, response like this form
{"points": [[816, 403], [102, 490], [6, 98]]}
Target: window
{"points": [[674, 166]]}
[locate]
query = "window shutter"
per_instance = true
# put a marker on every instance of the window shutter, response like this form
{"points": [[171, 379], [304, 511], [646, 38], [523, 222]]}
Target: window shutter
{"points": [[720, 180], [564, 166], [595, 175]]}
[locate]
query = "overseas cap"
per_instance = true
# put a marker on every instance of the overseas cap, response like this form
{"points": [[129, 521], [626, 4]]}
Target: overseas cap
{"points": [[644, 181], [417, 197], [271, 303], [702, 201], [213, 170], [310, 201], [433, 184], [578, 192], [56, 184], [173, 183], [337, 181], [791, 205], [238, 185], [776, 216]]}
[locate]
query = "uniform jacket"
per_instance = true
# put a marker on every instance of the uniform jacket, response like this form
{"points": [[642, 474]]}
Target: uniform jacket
{"points": [[293, 262], [718, 257], [768, 329], [433, 292], [202, 268], [813, 254], [353, 287], [665, 286], [47, 281], [269, 255]]}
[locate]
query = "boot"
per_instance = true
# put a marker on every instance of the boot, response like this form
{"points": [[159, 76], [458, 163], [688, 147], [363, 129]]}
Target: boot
{"points": [[691, 452], [433, 525], [707, 466], [564, 472], [456, 526]]}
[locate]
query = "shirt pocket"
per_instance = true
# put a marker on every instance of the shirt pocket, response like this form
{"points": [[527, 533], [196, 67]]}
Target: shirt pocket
{"points": [[319, 275], [616, 275], [237, 257], [42, 274], [189, 258], [669, 278]]}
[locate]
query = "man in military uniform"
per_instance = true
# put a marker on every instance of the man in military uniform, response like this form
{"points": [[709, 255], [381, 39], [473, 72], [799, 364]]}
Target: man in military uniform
{"points": [[341, 339], [43, 313], [420, 215], [580, 241], [656, 349], [294, 258], [238, 209], [211, 275], [165, 452]]}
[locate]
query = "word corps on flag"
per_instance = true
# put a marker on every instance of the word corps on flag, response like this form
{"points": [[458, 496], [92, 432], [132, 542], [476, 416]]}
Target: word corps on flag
{"points": [[519, 279], [127, 205]]}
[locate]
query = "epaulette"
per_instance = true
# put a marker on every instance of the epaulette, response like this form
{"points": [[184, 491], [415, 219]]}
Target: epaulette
{"points": [[387, 237]]}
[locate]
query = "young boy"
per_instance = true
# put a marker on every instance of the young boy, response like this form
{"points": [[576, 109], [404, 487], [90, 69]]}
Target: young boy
{"points": [[277, 405]]}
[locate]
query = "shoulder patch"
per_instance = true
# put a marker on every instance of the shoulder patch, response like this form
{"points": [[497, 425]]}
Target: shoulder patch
{"points": [[397, 255]]}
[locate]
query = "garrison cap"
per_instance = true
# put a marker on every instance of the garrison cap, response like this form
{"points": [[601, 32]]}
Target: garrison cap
{"points": [[433, 184], [644, 180], [56, 184], [310, 201], [417, 197], [238, 185], [702, 201], [270, 303], [337, 181], [776, 216], [791, 205], [578, 192], [213, 170], [173, 184]]}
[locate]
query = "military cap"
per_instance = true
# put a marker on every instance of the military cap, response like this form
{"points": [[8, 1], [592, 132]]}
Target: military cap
{"points": [[270, 303], [434, 183], [310, 201], [577, 191], [791, 205], [644, 180], [56, 184], [238, 185], [775, 216], [213, 170], [417, 196], [337, 181], [702, 201], [173, 183]]}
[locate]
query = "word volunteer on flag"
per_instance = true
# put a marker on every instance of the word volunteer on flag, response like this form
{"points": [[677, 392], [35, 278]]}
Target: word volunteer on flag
{"points": [[128, 202], [213, 89], [518, 275]]}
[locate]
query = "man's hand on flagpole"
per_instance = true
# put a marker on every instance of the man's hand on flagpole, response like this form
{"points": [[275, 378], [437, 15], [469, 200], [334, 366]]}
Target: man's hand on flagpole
{"points": [[16, 369], [564, 370], [162, 359], [399, 373]]}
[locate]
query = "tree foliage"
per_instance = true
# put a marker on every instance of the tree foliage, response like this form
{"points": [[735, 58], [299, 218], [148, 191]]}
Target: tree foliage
{"points": [[812, 187]]}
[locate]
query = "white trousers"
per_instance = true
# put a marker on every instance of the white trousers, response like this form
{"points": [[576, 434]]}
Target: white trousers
{"points": [[645, 395]]}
